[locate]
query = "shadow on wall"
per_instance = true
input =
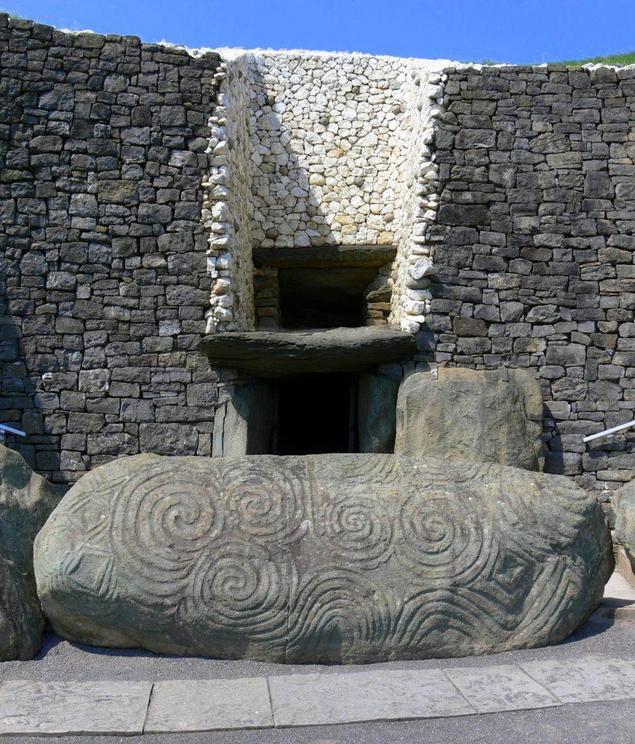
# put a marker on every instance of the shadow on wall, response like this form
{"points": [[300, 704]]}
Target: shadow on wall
{"points": [[22, 399], [325, 149]]}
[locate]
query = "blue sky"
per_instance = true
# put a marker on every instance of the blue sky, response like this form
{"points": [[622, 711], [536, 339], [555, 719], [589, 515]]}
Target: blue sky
{"points": [[467, 30]]}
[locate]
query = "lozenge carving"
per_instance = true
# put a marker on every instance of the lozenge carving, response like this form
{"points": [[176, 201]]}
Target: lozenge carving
{"points": [[336, 558]]}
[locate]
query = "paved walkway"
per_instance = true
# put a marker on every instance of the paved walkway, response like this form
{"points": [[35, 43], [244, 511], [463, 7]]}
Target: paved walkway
{"points": [[176, 706], [279, 698]]}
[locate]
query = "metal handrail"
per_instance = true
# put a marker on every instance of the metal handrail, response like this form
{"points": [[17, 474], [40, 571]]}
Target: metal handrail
{"points": [[607, 432], [5, 429]]}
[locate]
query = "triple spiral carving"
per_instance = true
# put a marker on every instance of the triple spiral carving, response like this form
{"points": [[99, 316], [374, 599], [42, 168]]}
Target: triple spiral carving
{"points": [[358, 530], [161, 522]]}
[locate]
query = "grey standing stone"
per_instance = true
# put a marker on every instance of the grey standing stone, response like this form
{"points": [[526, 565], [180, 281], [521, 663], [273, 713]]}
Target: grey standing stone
{"points": [[325, 558], [26, 500], [242, 426], [377, 398], [624, 502], [21, 620], [466, 414]]}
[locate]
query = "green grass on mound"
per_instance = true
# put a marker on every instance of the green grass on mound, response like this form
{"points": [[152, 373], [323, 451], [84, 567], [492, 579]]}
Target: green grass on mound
{"points": [[626, 58]]}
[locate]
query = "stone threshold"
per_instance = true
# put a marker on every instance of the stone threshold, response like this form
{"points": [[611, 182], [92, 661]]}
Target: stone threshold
{"points": [[335, 696]]}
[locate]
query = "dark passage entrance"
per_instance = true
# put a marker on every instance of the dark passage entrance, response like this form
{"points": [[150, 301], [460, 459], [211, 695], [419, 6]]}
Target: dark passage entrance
{"points": [[323, 298], [314, 414]]}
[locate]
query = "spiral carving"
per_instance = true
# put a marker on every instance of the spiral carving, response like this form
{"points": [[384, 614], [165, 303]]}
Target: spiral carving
{"points": [[333, 611], [265, 501], [442, 536], [358, 530], [350, 558], [522, 508], [241, 588], [379, 469], [161, 523]]}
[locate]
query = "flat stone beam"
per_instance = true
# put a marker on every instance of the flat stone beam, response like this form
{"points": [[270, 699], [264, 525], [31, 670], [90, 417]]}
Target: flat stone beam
{"points": [[324, 257], [273, 354]]}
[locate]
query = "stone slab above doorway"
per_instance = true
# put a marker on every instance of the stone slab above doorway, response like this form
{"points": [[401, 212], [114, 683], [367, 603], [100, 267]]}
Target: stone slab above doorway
{"points": [[278, 354]]}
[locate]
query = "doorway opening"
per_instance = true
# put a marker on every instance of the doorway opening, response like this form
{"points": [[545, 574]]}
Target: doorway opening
{"points": [[315, 414], [324, 298]]}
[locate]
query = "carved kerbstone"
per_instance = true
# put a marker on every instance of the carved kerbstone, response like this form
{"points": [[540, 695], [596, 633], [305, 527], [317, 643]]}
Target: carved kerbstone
{"points": [[334, 558]]}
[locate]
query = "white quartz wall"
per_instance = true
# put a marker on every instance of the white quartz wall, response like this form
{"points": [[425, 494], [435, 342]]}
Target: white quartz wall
{"points": [[229, 204], [418, 198], [324, 131], [314, 149]]}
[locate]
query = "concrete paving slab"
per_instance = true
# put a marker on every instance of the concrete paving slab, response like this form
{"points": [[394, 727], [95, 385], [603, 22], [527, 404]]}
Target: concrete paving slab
{"points": [[500, 688], [619, 590], [593, 678], [619, 601], [382, 695], [209, 705], [73, 707]]}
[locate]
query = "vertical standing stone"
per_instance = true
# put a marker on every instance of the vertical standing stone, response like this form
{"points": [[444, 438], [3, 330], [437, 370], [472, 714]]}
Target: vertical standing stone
{"points": [[26, 500]]}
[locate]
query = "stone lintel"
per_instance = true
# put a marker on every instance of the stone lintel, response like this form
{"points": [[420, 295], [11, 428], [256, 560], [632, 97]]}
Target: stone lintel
{"points": [[273, 354], [324, 257]]}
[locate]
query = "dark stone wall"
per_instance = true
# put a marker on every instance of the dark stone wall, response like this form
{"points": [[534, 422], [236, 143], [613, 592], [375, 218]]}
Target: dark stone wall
{"points": [[535, 247], [104, 285]]}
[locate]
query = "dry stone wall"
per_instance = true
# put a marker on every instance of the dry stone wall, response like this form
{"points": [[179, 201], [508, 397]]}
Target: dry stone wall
{"points": [[137, 178], [535, 248], [104, 284]]}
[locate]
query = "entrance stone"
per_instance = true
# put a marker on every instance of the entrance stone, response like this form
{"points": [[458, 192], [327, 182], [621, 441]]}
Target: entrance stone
{"points": [[26, 500], [328, 558], [490, 416]]}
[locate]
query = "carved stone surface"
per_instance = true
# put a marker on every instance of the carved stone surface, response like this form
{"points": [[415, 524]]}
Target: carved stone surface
{"points": [[331, 558], [26, 500], [625, 519], [486, 416]]}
